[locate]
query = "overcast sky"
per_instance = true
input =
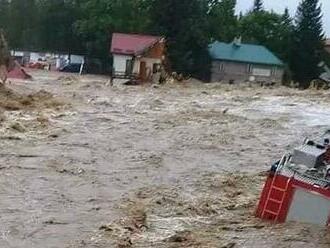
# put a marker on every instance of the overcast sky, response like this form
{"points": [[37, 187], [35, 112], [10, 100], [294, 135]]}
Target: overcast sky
{"points": [[279, 6]]}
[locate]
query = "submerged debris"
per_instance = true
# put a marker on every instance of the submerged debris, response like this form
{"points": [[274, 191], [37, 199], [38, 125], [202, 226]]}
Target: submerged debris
{"points": [[174, 220], [13, 101], [139, 167], [68, 80], [18, 127]]}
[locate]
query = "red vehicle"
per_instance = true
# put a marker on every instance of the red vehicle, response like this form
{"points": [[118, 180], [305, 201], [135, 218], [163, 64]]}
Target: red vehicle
{"points": [[298, 186]]}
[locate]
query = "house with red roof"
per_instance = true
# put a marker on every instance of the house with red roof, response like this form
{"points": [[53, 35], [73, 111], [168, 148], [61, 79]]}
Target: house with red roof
{"points": [[136, 56]]}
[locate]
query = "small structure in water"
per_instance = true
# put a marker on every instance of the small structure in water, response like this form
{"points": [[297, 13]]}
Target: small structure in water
{"points": [[298, 186], [137, 56]]}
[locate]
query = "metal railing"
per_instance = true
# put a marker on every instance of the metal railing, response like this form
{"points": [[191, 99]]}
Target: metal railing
{"points": [[285, 169]]}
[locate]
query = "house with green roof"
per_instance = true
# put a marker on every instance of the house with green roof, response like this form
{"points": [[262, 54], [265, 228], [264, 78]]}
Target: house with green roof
{"points": [[238, 62]]}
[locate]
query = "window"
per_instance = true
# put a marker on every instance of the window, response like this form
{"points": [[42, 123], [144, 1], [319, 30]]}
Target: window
{"points": [[274, 71], [129, 67], [222, 67], [261, 71], [249, 68], [155, 68]]}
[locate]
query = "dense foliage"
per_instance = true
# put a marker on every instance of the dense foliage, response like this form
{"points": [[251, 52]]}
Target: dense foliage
{"points": [[257, 6], [308, 36], [85, 27], [183, 23]]}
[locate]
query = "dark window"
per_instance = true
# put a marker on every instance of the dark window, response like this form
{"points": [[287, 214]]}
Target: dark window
{"points": [[249, 68], [222, 67], [274, 70], [155, 68], [129, 67]]}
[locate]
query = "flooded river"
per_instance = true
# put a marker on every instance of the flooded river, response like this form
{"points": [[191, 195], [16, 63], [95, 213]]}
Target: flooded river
{"points": [[179, 165]]}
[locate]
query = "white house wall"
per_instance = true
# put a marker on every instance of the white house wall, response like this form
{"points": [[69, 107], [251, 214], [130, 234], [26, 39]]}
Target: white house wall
{"points": [[136, 66], [17, 53], [119, 62], [34, 57], [76, 59]]}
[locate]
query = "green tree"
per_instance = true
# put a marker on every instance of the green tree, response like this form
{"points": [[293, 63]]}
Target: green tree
{"points": [[22, 25], [222, 20], [269, 29], [258, 6], [184, 24], [285, 36], [262, 28], [4, 17], [99, 19], [308, 42], [56, 26]]}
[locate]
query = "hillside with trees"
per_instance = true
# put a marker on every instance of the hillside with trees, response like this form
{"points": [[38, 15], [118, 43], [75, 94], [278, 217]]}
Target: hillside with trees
{"points": [[85, 27]]}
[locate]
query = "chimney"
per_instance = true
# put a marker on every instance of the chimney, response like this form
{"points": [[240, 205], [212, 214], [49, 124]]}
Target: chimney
{"points": [[237, 41]]}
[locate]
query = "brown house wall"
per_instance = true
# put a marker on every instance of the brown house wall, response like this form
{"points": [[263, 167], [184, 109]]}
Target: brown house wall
{"points": [[156, 52], [239, 72]]}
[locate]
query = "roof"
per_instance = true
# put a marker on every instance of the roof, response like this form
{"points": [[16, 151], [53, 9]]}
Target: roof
{"points": [[243, 53], [132, 44]]}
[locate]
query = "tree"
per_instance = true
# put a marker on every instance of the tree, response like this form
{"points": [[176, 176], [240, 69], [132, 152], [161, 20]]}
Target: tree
{"points": [[5, 58], [261, 28], [4, 17], [184, 24], [22, 25], [56, 26], [308, 42], [4, 51], [99, 19], [286, 35], [269, 29], [222, 20], [258, 6]]}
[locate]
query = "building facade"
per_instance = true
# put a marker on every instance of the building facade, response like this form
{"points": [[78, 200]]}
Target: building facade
{"points": [[236, 62], [136, 56]]}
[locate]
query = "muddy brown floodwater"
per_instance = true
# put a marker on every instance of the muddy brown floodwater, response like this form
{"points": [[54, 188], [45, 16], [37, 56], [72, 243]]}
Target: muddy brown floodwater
{"points": [[85, 165]]}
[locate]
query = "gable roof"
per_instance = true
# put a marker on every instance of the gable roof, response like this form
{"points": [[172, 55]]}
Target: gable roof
{"points": [[243, 53], [132, 44]]}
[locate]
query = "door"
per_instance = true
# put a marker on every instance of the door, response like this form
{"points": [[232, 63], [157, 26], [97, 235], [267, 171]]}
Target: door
{"points": [[129, 67], [143, 70]]}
